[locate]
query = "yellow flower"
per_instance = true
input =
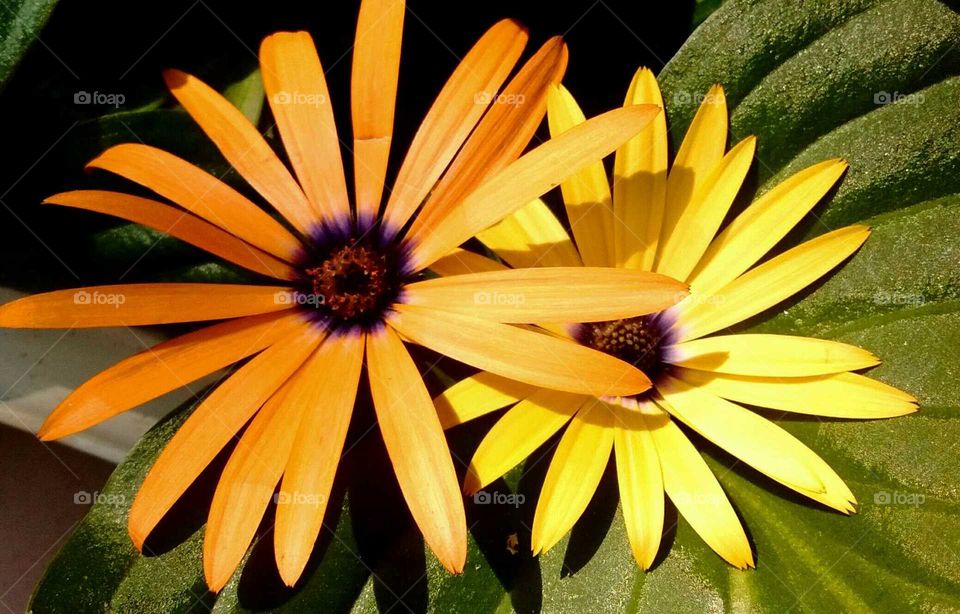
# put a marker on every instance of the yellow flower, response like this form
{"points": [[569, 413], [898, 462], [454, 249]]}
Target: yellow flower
{"points": [[343, 285], [668, 223]]}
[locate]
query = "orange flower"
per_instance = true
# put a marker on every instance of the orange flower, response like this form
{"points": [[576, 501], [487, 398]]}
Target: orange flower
{"points": [[347, 290]]}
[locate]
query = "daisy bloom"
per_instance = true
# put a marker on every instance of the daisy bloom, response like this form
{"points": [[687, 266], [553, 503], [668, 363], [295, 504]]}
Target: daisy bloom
{"points": [[342, 286], [668, 222]]}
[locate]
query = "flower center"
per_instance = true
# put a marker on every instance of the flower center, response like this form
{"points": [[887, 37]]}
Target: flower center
{"points": [[638, 341], [351, 282]]}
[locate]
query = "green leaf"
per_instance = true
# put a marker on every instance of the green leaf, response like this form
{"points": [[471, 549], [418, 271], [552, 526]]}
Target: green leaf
{"points": [[98, 567], [20, 25], [812, 79], [149, 253], [247, 95]]}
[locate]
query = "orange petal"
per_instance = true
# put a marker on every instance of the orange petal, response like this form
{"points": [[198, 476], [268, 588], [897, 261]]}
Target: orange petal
{"points": [[163, 368], [458, 108], [330, 380], [244, 148], [373, 94], [527, 178], [213, 424], [553, 294], [200, 193], [176, 223], [298, 96], [250, 477], [417, 448], [501, 135], [142, 305], [523, 355]]}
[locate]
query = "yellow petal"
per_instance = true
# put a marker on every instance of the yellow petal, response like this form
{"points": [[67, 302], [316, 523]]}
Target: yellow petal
{"points": [[840, 395], [300, 101], [328, 388], [176, 223], [523, 429], [530, 357], [682, 248], [640, 181], [373, 95], [212, 425], [769, 355], [244, 148], [575, 471], [165, 367], [249, 479], [555, 294], [417, 448], [756, 441], [200, 193], [641, 484], [531, 236], [502, 134], [142, 305], [462, 101], [753, 439], [461, 262], [695, 491], [769, 283], [586, 194], [762, 225], [529, 177], [701, 150], [478, 395]]}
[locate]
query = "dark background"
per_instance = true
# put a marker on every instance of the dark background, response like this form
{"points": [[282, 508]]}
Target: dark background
{"points": [[120, 47]]}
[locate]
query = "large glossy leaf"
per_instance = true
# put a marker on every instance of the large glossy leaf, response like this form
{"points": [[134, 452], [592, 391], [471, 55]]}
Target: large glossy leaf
{"points": [[812, 79], [20, 24]]}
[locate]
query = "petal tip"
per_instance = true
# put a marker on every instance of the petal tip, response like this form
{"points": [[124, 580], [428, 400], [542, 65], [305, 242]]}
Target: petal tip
{"points": [[174, 78], [471, 483], [47, 432], [289, 571]]}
